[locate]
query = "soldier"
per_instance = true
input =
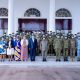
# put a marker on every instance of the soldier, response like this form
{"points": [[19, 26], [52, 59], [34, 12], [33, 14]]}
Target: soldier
{"points": [[38, 41], [78, 48], [44, 48], [50, 39], [62, 38], [40, 35], [54, 36], [65, 48], [72, 48], [27, 35], [58, 47], [20, 36]]}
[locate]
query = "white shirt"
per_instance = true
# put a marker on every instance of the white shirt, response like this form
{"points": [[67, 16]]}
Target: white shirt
{"points": [[9, 43], [33, 39]]}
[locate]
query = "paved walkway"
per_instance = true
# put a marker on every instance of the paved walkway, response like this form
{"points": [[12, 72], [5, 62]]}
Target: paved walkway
{"points": [[39, 73], [39, 70]]}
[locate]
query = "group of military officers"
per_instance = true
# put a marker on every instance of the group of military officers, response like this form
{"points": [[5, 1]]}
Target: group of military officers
{"points": [[57, 44]]}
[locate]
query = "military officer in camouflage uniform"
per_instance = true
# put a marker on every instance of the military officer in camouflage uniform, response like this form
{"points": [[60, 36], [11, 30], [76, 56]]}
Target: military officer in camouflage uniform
{"points": [[38, 37], [78, 46], [53, 38], [27, 35], [72, 48], [50, 40], [58, 47], [65, 48], [62, 38]]}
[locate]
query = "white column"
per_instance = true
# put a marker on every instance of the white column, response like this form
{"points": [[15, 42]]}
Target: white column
{"points": [[75, 25], [52, 16], [10, 17]]}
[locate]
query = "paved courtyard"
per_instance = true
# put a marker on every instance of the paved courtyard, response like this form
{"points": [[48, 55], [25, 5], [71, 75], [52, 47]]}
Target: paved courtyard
{"points": [[40, 70]]}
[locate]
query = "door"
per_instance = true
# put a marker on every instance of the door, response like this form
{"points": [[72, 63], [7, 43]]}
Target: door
{"points": [[32, 25]]}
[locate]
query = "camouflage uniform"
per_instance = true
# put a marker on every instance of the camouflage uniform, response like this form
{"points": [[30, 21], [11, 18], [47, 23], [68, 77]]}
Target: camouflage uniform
{"points": [[58, 47], [72, 48], [28, 36], [65, 48], [62, 38], [38, 37], [50, 40]]}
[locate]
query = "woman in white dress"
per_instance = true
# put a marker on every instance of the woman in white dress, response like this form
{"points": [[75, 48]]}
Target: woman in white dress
{"points": [[10, 49]]}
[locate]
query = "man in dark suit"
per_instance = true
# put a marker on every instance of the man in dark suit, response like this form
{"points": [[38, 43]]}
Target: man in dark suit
{"points": [[32, 47]]}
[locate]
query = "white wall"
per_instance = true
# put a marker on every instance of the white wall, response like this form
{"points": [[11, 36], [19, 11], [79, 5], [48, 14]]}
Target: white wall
{"points": [[4, 3], [73, 6], [20, 6]]}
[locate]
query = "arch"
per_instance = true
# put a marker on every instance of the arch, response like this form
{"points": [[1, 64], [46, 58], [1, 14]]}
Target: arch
{"points": [[63, 13], [3, 12], [32, 11]]}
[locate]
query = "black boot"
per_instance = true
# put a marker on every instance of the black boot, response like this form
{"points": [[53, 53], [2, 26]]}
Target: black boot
{"points": [[44, 59], [78, 59], [65, 58], [58, 60]]}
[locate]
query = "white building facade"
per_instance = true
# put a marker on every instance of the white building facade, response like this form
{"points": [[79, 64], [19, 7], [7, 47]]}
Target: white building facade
{"points": [[55, 14]]}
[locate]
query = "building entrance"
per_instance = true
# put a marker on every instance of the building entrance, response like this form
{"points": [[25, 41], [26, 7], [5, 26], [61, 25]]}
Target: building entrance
{"points": [[28, 25]]}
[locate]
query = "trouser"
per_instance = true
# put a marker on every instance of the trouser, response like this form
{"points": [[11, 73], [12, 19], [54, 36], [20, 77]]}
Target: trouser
{"points": [[78, 53], [38, 49], [50, 49], [32, 54], [44, 54], [65, 53], [72, 53], [58, 53]]}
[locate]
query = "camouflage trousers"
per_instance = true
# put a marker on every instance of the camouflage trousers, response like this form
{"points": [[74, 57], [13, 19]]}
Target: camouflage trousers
{"points": [[65, 52], [58, 53], [72, 52], [50, 50]]}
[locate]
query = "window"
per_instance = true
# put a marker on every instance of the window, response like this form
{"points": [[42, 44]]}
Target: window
{"points": [[3, 23], [64, 20], [3, 26], [32, 12], [63, 24], [3, 12], [63, 13]]}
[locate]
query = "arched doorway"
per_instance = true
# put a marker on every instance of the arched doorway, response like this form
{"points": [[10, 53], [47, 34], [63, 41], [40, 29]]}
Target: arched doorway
{"points": [[32, 21], [63, 21]]}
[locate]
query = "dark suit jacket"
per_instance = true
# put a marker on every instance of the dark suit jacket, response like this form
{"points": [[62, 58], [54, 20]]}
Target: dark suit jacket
{"points": [[32, 45], [13, 43]]}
